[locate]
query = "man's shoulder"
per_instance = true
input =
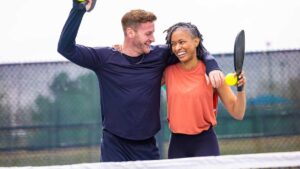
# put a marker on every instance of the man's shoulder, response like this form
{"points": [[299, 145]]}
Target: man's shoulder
{"points": [[160, 47], [161, 51], [106, 51]]}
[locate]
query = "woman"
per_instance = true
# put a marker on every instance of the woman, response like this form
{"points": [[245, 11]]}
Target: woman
{"points": [[191, 100]]}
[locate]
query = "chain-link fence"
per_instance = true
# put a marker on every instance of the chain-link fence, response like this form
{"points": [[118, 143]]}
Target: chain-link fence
{"points": [[50, 114]]}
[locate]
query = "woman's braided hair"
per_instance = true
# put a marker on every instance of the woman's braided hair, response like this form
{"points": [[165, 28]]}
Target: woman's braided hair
{"points": [[201, 51]]}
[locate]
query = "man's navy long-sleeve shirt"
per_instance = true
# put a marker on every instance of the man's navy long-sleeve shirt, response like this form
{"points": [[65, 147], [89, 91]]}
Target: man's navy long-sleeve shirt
{"points": [[130, 93]]}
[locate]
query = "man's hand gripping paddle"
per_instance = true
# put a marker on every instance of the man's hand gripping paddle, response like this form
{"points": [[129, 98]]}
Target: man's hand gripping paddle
{"points": [[87, 4], [238, 55]]}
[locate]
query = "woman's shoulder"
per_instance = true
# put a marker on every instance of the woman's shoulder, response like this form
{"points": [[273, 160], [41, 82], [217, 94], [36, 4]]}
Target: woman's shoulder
{"points": [[172, 68]]}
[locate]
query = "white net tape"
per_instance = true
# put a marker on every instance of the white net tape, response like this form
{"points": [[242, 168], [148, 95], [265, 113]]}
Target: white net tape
{"points": [[264, 160]]}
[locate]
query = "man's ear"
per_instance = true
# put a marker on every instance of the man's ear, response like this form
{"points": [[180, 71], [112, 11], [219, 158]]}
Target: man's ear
{"points": [[130, 32]]}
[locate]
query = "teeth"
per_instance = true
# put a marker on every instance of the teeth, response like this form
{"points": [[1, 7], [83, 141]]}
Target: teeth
{"points": [[181, 53]]}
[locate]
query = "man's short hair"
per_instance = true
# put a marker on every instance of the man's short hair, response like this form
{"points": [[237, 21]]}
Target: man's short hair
{"points": [[136, 17]]}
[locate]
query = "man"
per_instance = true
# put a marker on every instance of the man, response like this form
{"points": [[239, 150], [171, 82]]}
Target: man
{"points": [[129, 82]]}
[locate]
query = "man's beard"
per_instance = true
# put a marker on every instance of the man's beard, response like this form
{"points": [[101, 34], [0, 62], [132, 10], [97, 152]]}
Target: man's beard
{"points": [[144, 49]]}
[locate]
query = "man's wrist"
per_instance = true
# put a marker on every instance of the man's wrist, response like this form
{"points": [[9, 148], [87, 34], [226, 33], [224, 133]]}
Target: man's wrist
{"points": [[78, 5]]}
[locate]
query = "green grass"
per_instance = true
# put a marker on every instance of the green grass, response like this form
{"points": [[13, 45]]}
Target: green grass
{"points": [[89, 155], [260, 145], [50, 157]]}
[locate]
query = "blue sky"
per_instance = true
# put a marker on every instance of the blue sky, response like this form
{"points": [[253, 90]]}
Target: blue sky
{"points": [[30, 28]]}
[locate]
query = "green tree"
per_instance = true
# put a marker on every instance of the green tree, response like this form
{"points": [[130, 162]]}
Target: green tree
{"points": [[70, 114], [293, 92], [5, 121], [5, 118]]}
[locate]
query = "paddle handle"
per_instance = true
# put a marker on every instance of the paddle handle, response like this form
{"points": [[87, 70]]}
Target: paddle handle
{"points": [[239, 88]]}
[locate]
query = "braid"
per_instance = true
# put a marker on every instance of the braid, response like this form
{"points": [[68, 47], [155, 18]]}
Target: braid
{"points": [[201, 51]]}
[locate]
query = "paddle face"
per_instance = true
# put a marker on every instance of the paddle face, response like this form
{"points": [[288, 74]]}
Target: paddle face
{"points": [[238, 54]]}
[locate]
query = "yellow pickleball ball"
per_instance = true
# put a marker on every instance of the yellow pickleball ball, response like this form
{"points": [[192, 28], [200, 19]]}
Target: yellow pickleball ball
{"points": [[231, 79], [80, 1]]}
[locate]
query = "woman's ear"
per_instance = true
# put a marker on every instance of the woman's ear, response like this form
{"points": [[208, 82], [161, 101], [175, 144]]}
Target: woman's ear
{"points": [[197, 41]]}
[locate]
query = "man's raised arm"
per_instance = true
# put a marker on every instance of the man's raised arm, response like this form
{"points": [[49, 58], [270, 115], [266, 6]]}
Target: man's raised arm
{"points": [[78, 54]]}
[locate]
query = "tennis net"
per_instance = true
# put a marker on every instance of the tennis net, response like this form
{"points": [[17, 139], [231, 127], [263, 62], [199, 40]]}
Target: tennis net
{"points": [[263, 160]]}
